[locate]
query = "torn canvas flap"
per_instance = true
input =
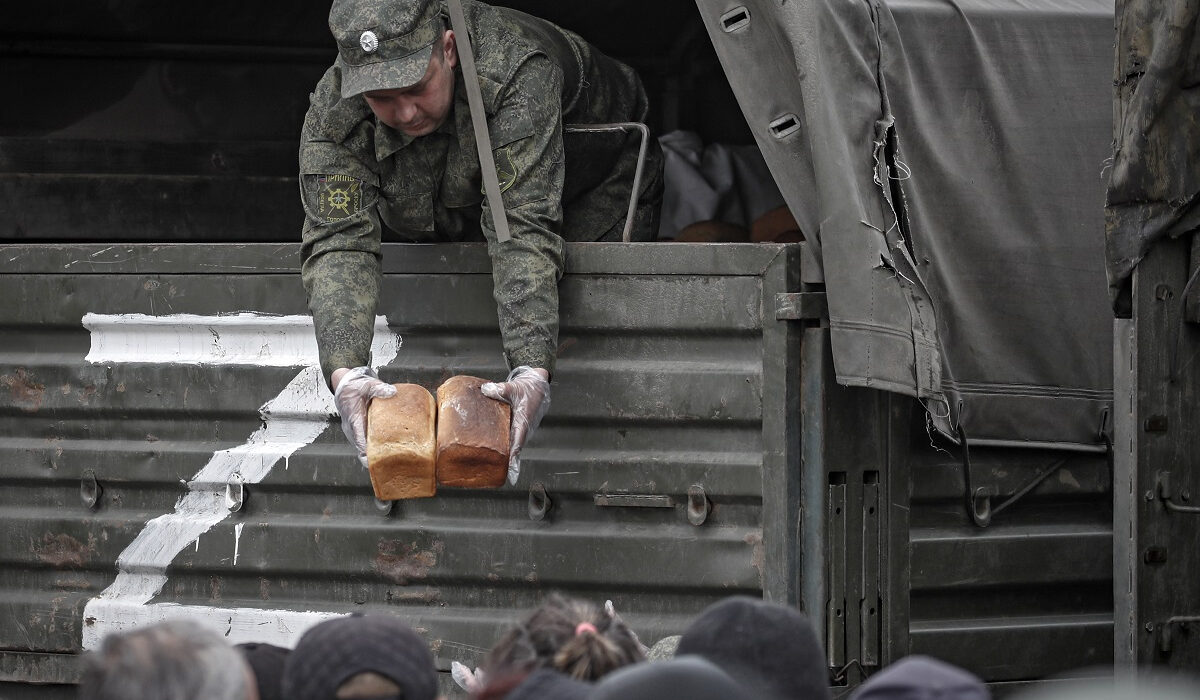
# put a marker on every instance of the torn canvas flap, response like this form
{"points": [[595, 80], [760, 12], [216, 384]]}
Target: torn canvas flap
{"points": [[950, 156], [807, 78], [1154, 185]]}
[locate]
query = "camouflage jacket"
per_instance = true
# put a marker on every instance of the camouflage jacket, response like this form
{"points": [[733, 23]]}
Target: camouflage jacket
{"points": [[363, 182]]}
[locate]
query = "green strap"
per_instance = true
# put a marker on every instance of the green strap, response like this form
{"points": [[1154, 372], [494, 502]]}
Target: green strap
{"points": [[491, 183]]}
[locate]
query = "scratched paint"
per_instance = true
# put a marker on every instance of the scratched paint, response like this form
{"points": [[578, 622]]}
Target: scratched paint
{"points": [[237, 540], [291, 420]]}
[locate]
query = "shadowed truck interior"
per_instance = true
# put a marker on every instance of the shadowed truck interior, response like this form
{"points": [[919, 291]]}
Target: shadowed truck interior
{"points": [[140, 121]]}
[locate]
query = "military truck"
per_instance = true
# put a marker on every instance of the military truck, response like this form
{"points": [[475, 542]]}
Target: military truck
{"points": [[903, 425]]}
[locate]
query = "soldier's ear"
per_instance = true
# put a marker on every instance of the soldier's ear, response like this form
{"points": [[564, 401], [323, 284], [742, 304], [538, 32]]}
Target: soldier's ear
{"points": [[449, 48]]}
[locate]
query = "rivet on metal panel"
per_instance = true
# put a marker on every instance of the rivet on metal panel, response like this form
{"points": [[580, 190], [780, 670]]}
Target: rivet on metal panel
{"points": [[539, 502], [784, 126], [735, 19], [90, 490], [384, 507], [1156, 424], [698, 505], [235, 493]]}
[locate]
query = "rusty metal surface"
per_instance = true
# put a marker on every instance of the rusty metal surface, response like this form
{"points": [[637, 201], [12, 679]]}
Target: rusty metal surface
{"points": [[663, 385]]}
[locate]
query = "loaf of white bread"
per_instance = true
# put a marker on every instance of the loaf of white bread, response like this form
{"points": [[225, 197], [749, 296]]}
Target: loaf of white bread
{"points": [[402, 444], [472, 435]]}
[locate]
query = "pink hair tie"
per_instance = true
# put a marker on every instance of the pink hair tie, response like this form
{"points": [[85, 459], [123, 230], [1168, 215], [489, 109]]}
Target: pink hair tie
{"points": [[585, 627]]}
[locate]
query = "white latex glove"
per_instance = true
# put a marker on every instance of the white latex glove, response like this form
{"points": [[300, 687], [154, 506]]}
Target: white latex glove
{"points": [[468, 680], [528, 392], [355, 389]]}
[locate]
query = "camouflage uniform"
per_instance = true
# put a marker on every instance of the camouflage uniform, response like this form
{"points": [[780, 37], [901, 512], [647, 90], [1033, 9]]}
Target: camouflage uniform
{"points": [[362, 181]]}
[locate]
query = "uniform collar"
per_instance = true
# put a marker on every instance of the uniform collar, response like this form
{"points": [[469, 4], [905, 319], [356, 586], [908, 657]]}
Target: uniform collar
{"points": [[389, 140]]}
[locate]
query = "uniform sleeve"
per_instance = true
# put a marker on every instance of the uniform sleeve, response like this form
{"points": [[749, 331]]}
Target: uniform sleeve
{"points": [[526, 132], [340, 254]]}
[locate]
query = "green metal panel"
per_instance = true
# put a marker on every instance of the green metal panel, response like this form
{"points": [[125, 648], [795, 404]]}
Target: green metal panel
{"points": [[1028, 596], [673, 373]]}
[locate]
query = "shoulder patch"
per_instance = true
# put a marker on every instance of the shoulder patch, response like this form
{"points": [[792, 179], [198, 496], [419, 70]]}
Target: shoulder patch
{"points": [[506, 172], [338, 196]]}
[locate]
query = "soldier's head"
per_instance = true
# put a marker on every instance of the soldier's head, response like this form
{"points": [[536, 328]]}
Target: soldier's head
{"points": [[400, 57]]}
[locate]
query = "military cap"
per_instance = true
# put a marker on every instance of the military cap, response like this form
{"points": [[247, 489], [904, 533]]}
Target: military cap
{"points": [[384, 44]]}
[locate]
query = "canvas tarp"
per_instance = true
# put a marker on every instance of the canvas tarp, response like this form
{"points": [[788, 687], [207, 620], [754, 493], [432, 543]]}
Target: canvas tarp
{"points": [[946, 162], [947, 165]]}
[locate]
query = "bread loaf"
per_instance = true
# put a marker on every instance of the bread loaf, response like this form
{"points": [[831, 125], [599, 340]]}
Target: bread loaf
{"points": [[712, 232], [402, 444], [776, 226], [472, 440]]}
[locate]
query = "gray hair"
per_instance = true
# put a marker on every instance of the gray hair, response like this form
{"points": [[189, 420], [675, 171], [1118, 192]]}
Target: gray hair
{"points": [[172, 660]]}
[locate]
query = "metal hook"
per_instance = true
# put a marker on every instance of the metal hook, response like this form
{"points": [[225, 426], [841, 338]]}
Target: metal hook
{"points": [[981, 507], [89, 490], [698, 505], [235, 493], [539, 502]]}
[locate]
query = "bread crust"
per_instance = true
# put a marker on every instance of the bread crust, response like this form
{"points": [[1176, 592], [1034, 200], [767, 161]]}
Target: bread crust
{"points": [[402, 444], [473, 435]]}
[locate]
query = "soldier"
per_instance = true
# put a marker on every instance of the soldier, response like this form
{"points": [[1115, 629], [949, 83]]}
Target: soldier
{"points": [[388, 150]]}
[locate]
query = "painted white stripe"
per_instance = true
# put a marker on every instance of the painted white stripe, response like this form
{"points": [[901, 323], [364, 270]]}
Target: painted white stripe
{"points": [[279, 627], [291, 420], [235, 339]]}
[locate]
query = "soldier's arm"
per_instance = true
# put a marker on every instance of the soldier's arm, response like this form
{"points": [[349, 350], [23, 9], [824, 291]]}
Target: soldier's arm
{"points": [[340, 255], [526, 133]]}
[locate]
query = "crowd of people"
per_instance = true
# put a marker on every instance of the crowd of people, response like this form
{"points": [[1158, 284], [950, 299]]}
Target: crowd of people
{"points": [[740, 648]]}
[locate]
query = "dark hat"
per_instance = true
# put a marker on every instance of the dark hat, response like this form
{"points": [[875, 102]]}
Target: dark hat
{"points": [[548, 684], [328, 654], [768, 647], [922, 678], [266, 660], [384, 44], [690, 677]]}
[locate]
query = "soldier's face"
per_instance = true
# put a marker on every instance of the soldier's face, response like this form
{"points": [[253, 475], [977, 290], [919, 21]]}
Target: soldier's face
{"points": [[421, 108]]}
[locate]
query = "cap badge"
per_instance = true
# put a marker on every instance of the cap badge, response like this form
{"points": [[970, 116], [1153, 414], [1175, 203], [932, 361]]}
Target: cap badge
{"points": [[368, 41]]}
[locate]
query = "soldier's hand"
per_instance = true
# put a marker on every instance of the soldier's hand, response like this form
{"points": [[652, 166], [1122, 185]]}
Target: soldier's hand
{"points": [[527, 390], [355, 389]]}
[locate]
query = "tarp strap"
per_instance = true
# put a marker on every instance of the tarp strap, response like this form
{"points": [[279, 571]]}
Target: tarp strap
{"points": [[979, 499], [483, 142]]}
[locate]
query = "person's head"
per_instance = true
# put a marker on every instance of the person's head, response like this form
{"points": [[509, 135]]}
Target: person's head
{"points": [[542, 684], [768, 647], [172, 660], [574, 637], [400, 57], [360, 657], [922, 678], [692, 677], [266, 664]]}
